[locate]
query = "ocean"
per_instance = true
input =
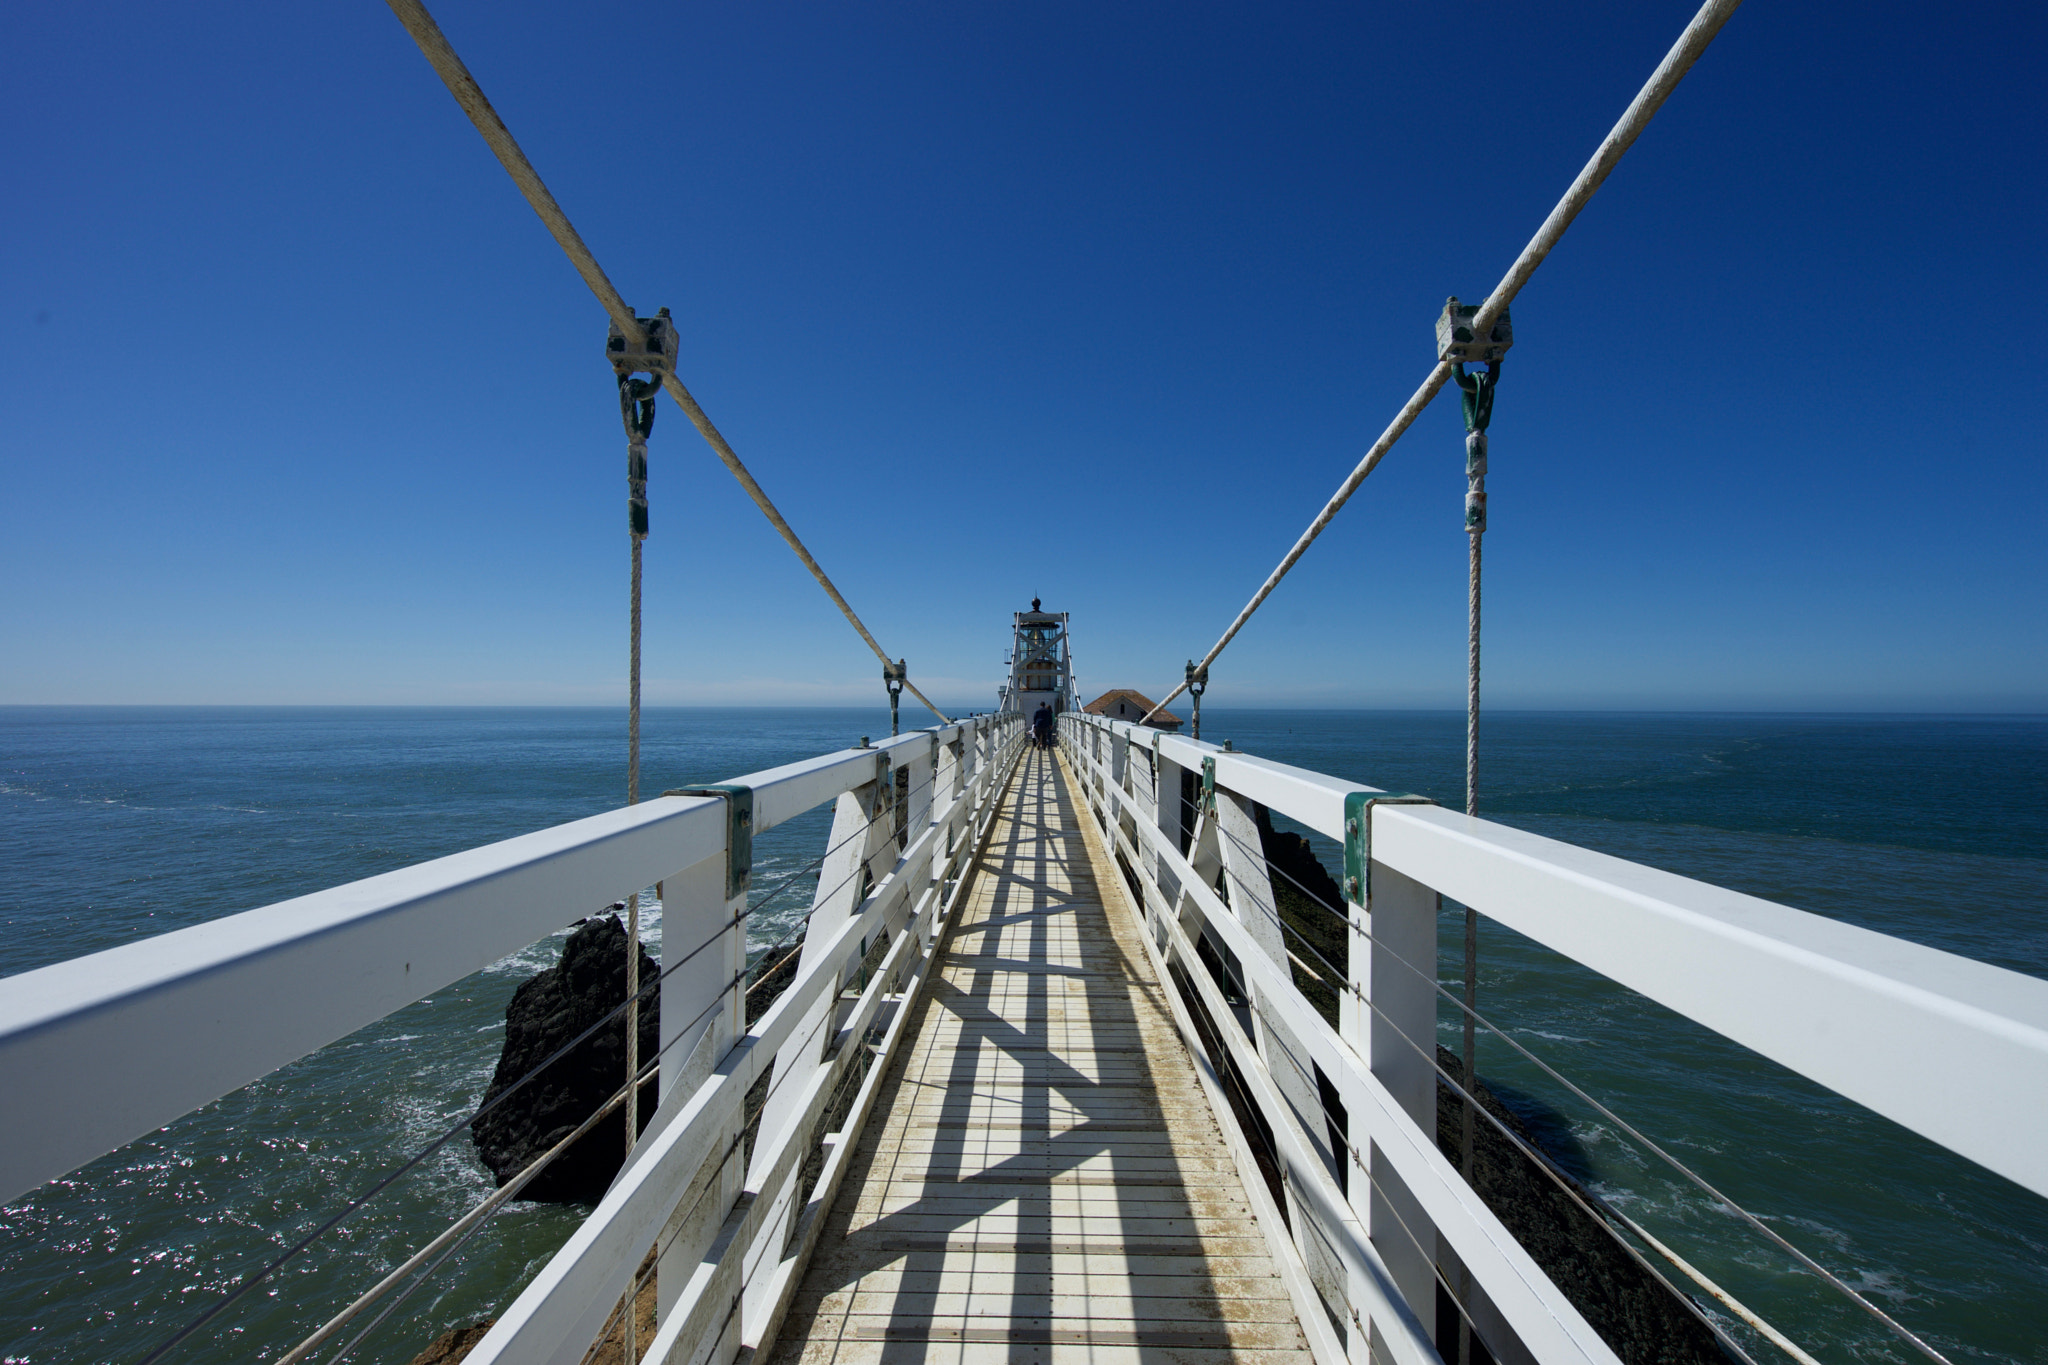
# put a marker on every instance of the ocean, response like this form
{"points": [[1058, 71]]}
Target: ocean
{"points": [[119, 823]]}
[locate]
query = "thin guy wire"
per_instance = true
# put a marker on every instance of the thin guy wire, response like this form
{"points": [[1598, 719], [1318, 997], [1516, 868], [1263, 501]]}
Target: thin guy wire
{"points": [[1472, 1015], [1470, 1056], [633, 799], [1777, 1339], [354, 1205], [464, 1229], [1740, 1309], [1469, 1104], [678, 1223], [1691, 43], [357, 1203], [774, 1087], [441, 55]]}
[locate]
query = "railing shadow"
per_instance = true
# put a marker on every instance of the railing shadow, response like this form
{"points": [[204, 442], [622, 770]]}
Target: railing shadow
{"points": [[1025, 1183]]}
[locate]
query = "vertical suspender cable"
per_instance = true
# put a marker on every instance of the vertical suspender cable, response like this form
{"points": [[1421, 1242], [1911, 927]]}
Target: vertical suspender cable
{"points": [[441, 55], [636, 405], [1476, 392], [636, 411], [1691, 43]]}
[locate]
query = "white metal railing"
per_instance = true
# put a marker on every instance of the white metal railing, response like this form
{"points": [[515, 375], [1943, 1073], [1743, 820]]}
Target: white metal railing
{"points": [[1954, 1049], [167, 1025], [730, 1238]]}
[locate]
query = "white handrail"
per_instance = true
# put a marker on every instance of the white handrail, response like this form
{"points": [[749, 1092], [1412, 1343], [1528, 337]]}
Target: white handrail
{"points": [[173, 1022], [1954, 1049], [669, 1192], [1544, 1319]]}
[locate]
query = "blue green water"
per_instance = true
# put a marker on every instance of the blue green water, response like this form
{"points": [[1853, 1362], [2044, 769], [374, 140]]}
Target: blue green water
{"points": [[120, 823]]}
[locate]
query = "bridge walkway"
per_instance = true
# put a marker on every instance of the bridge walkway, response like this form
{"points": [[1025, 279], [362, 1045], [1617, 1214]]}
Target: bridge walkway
{"points": [[1042, 1178]]}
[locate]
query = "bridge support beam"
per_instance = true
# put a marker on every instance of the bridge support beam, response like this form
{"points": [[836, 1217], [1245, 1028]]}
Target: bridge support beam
{"points": [[1402, 921]]}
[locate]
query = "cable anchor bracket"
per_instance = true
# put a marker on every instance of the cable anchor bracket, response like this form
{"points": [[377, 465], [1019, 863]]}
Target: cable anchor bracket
{"points": [[893, 677], [655, 356], [1458, 344]]}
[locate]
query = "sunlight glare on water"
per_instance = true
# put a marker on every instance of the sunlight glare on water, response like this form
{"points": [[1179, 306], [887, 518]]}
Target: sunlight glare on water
{"points": [[129, 822]]}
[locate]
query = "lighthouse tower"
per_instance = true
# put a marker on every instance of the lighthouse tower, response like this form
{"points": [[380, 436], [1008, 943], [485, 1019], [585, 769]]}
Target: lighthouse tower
{"points": [[1041, 667]]}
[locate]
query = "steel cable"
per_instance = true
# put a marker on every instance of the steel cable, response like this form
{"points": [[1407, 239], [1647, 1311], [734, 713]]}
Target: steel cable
{"points": [[460, 1231], [1691, 43], [441, 55], [1472, 1017], [354, 1205], [1602, 1215]]}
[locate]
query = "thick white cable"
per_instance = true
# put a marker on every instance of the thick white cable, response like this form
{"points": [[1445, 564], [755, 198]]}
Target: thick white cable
{"points": [[1691, 43], [440, 54]]}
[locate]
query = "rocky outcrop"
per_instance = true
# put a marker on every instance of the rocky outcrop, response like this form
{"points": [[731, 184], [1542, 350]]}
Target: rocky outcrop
{"points": [[546, 1012], [1634, 1310], [1295, 864], [453, 1345], [1310, 903]]}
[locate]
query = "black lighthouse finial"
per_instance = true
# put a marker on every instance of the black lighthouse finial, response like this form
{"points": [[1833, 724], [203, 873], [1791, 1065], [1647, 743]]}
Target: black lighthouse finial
{"points": [[1034, 604]]}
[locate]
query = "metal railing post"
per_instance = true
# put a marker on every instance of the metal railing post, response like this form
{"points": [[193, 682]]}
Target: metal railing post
{"points": [[699, 909], [1401, 916], [860, 833]]}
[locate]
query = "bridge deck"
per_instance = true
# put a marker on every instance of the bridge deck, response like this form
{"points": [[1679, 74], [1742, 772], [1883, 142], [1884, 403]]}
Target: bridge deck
{"points": [[1042, 1178]]}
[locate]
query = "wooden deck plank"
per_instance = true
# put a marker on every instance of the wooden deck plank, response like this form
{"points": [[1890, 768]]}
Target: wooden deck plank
{"points": [[1042, 1173]]}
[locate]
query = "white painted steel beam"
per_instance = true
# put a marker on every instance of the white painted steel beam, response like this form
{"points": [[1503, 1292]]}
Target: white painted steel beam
{"points": [[1313, 799], [99, 1050], [174, 1022], [1540, 1314], [1952, 1048], [555, 1316]]}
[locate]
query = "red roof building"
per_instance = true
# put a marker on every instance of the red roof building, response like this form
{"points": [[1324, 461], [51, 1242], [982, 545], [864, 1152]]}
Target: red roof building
{"points": [[1123, 704]]}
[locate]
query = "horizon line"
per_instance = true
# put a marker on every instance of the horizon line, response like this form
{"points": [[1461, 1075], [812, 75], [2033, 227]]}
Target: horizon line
{"points": [[1787, 710]]}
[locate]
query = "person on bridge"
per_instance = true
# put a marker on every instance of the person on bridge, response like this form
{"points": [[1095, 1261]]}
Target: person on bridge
{"points": [[1041, 726]]}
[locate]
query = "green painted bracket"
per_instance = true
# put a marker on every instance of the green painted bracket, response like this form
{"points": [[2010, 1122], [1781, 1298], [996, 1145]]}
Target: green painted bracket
{"points": [[1358, 838], [739, 830]]}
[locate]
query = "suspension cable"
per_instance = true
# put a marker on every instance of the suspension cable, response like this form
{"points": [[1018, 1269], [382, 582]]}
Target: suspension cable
{"points": [[1460, 1294], [257, 1276], [636, 410], [1691, 43], [1476, 395], [1473, 1016], [481, 1212], [441, 55]]}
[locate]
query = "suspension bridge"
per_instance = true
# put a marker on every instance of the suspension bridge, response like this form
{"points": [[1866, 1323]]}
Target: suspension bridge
{"points": [[1050, 1076]]}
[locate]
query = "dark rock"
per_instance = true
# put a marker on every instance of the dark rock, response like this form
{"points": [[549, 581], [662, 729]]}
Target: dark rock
{"points": [[451, 1346], [1634, 1309], [1292, 856], [1310, 905], [546, 1012]]}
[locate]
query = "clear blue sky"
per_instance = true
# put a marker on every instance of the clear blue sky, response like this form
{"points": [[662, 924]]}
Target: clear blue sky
{"points": [[298, 403]]}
